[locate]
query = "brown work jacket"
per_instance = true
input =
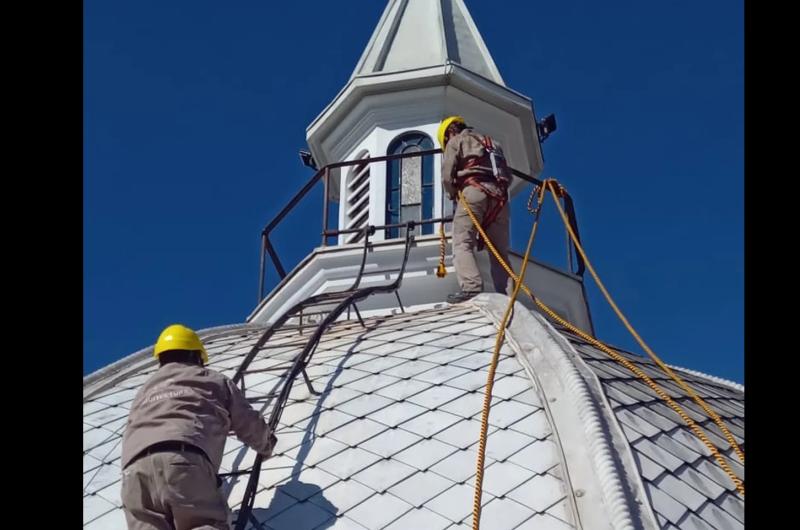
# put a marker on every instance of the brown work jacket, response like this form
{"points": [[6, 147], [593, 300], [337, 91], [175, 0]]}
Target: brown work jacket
{"points": [[196, 405]]}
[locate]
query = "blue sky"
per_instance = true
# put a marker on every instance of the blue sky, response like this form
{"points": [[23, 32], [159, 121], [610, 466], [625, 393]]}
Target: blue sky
{"points": [[194, 113]]}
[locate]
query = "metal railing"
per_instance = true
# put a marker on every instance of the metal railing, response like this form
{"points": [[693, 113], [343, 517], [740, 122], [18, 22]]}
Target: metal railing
{"points": [[324, 175]]}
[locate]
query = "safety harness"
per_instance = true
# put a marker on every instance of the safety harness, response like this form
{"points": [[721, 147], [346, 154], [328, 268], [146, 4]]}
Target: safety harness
{"points": [[493, 158]]}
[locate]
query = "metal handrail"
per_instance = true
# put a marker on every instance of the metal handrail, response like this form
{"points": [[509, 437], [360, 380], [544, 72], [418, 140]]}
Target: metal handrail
{"points": [[324, 175]]}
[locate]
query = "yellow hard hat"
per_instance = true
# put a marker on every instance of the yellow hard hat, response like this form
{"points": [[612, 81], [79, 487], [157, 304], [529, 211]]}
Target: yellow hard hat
{"points": [[178, 337], [447, 122]]}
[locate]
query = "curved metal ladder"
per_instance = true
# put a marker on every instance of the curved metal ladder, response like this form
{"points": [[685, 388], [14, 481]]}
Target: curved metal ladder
{"points": [[332, 305]]}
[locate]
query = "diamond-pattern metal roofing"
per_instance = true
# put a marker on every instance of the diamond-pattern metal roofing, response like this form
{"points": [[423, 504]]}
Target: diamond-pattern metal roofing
{"points": [[685, 485], [391, 440]]}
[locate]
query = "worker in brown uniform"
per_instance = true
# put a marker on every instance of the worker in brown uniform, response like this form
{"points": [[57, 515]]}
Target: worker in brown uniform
{"points": [[474, 164], [175, 436]]}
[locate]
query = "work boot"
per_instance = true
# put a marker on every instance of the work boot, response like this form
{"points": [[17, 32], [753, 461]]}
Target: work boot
{"points": [[461, 296]]}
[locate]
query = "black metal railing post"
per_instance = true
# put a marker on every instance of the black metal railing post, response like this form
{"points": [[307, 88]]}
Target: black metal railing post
{"points": [[261, 268], [325, 185]]}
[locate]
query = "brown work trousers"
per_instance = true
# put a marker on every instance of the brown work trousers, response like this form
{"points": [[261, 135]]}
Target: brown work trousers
{"points": [[465, 240], [173, 491]]}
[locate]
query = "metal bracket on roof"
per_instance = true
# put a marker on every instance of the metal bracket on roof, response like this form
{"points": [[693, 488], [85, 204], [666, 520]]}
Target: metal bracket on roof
{"points": [[300, 327], [402, 309], [308, 383], [358, 314]]}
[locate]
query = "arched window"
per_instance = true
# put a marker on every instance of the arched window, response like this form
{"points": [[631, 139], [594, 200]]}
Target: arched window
{"points": [[409, 184]]}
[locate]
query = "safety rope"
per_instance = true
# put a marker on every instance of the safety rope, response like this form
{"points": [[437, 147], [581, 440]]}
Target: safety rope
{"points": [[441, 271], [534, 193], [697, 399], [487, 395], [614, 355]]}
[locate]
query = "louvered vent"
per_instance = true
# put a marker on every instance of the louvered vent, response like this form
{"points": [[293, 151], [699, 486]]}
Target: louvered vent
{"points": [[357, 214]]}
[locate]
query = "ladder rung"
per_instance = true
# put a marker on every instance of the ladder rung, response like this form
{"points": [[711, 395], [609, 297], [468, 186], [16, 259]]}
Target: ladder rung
{"points": [[330, 296], [236, 473]]}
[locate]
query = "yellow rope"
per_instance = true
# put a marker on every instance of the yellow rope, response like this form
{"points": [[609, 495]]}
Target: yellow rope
{"points": [[614, 355], [441, 271], [663, 395], [697, 399], [487, 395]]}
